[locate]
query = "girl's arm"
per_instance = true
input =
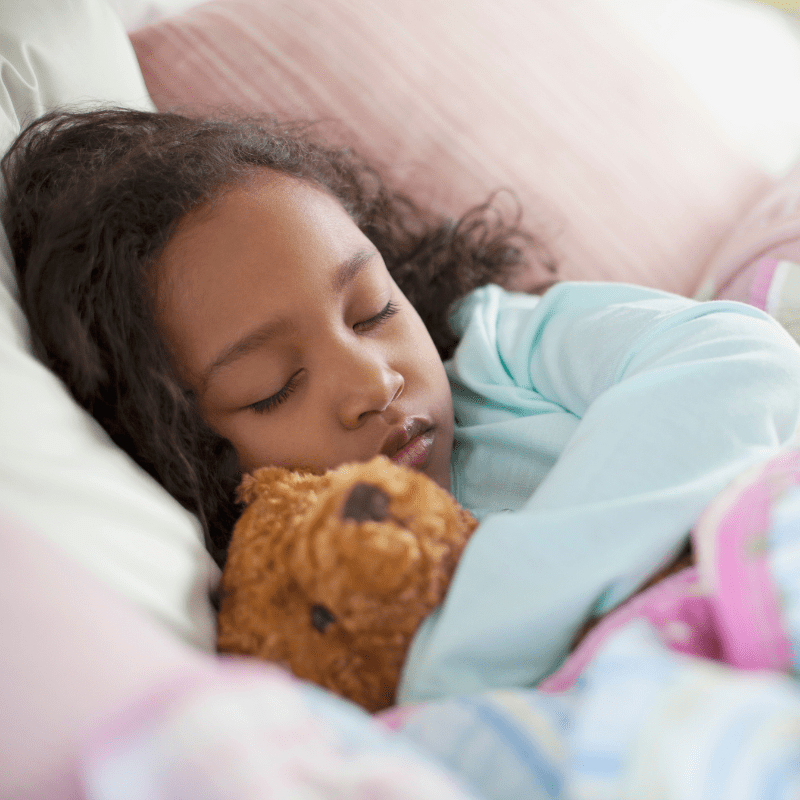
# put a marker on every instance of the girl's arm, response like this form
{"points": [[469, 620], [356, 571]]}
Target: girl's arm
{"points": [[652, 403]]}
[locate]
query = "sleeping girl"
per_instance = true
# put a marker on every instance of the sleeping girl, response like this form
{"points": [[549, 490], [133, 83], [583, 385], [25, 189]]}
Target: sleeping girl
{"points": [[223, 295]]}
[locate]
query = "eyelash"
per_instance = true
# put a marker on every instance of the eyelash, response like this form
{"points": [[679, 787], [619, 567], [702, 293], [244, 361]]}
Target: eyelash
{"points": [[269, 403], [389, 310]]}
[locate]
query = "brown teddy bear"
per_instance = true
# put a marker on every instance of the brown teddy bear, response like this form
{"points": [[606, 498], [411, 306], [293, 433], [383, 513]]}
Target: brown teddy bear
{"points": [[331, 575]]}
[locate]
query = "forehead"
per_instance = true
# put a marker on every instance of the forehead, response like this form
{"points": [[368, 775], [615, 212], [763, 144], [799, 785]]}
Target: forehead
{"points": [[263, 227], [261, 248], [266, 208]]}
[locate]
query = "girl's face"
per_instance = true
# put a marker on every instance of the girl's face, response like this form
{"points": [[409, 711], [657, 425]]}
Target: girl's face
{"points": [[301, 349]]}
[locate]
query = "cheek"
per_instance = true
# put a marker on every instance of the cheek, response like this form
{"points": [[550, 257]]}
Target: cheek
{"points": [[290, 441], [247, 451], [426, 361], [247, 433], [416, 335]]}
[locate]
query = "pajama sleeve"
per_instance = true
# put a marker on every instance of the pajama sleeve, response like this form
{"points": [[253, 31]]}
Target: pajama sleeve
{"points": [[668, 400]]}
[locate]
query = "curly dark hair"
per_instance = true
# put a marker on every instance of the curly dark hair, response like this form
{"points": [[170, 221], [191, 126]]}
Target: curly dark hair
{"points": [[92, 199]]}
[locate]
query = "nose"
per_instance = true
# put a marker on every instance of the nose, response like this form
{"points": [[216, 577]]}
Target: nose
{"points": [[366, 385], [366, 502]]}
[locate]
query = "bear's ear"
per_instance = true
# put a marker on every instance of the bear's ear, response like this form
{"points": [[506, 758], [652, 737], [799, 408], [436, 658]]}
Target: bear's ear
{"points": [[265, 480], [245, 493], [273, 480]]}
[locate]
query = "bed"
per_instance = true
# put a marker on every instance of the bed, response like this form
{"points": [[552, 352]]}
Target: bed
{"points": [[630, 154]]}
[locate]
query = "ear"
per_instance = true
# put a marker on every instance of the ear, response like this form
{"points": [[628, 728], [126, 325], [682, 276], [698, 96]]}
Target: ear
{"points": [[274, 480], [264, 480], [244, 492]]}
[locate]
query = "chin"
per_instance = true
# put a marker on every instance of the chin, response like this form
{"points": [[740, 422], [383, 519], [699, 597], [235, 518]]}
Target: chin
{"points": [[440, 476]]}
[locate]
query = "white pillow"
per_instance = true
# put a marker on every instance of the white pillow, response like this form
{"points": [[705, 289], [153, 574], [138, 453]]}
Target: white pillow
{"points": [[59, 472]]}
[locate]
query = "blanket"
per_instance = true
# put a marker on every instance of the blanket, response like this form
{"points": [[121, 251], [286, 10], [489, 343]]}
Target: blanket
{"points": [[689, 690]]}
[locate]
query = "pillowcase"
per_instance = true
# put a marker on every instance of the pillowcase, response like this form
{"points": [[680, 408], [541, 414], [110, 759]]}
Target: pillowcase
{"points": [[59, 472], [613, 158], [760, 261]]}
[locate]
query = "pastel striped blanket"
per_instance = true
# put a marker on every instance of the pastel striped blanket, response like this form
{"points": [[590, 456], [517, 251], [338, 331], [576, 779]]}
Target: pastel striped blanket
{"points": [[687, 691]]}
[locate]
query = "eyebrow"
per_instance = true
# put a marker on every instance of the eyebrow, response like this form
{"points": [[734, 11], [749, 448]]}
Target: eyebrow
{"points": [[344, 274], [349, 269]]}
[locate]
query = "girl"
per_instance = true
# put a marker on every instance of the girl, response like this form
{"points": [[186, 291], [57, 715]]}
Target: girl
{"points": [[93, 200], [226, 295]]}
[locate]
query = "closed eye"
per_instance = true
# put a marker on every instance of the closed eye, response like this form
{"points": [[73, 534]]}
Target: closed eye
{"points": [[268, 403], [389, 310]]}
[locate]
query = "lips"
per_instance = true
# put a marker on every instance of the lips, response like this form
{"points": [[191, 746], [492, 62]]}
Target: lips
{"points": [[416, 453], [410, 445]]}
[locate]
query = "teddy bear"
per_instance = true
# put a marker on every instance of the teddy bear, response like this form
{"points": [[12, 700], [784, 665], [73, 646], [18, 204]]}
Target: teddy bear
{"points": [[330, 575]]}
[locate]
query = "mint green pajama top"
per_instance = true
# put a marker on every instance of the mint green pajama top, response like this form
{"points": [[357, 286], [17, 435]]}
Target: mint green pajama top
{"points": [[593, 425]]}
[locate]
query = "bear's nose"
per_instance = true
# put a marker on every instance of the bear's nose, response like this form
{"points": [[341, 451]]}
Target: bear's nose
{"points": [[366, 502]]}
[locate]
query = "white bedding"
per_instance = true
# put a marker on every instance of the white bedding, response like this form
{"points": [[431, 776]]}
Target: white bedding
{"points": [[59, 473], [741, 57]]}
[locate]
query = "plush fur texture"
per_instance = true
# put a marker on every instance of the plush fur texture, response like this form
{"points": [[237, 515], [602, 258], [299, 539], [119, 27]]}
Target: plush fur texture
{"points": [[331, 575]]}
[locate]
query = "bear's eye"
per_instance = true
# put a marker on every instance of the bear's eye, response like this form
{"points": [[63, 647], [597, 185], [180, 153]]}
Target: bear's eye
{"points": [[321, 618]]}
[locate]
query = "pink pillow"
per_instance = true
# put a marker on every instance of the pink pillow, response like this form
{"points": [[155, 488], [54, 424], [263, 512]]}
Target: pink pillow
{"points": [[759, 263], [615, 161]]}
